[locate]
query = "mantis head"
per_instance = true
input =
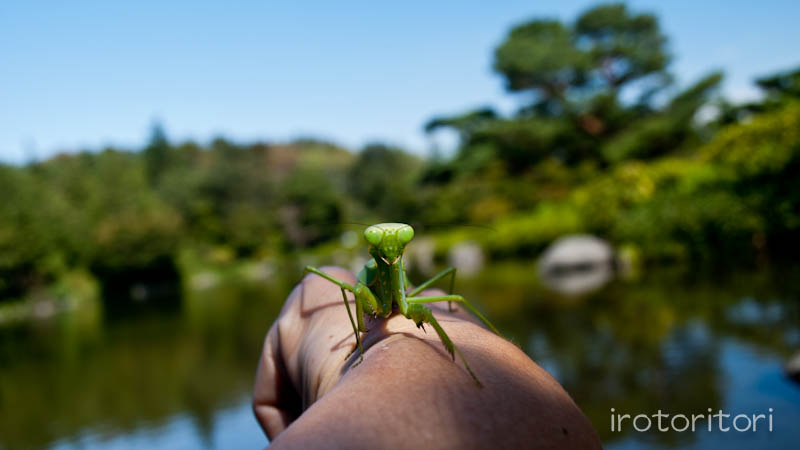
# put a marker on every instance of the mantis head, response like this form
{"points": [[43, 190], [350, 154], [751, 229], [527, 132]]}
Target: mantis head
{"points": [[389, 239]]}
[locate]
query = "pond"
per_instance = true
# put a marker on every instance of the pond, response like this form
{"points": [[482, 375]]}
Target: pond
{"points": [[179, 374]]}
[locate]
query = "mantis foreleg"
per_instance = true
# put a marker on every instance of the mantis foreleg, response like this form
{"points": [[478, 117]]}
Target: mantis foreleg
{"points": [[453, 298], [333, 280], [421, 314], [355, 329], [359, 309]]}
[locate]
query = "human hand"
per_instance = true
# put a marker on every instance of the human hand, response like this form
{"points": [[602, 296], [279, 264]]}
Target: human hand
{"points": [[407, 392]]}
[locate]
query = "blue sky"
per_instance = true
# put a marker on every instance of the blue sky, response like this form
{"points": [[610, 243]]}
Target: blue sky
{"points": [[83, 75]]}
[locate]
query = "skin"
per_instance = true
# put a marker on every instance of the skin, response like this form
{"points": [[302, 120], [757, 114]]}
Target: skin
{"points": [[407, 393]]}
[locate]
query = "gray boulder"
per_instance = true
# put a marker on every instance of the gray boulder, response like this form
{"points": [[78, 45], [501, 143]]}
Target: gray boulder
{"points": [[467, 257], [793, 368], [577, 264]]}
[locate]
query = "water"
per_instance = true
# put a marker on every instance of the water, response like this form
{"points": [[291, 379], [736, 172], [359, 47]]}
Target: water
{"points": [[181, 377]]}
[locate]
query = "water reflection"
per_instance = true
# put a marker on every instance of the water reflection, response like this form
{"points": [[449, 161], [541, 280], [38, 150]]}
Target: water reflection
{"points": [[657, 343], [181, 376], [104, 376]]}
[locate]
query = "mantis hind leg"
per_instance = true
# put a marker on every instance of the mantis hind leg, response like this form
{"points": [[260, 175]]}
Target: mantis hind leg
{"points": [[454, 298], [421, 314], [449, 271]]}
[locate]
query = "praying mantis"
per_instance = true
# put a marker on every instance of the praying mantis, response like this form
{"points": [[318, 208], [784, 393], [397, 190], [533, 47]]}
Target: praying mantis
{"points": [[382, 285]]}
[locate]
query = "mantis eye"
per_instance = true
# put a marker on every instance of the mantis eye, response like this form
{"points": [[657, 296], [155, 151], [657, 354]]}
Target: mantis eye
{"points": [[405, 234], [373, 235]]}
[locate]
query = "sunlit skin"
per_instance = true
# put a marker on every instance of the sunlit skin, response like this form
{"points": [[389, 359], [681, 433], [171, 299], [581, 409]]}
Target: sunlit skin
{"points": [[407, 394], [382, 286]]}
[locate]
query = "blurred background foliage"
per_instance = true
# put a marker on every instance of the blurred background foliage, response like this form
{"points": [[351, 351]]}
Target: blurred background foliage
{"points": [[604, 144], [170, 261]]}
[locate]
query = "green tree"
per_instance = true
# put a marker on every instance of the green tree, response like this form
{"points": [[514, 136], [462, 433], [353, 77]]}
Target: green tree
{"points": [[157, 153], [311, 210], [587, 90], [778, 89], [621, 46], [541, 56], [25, 241], [567, 67], [383, 179]]}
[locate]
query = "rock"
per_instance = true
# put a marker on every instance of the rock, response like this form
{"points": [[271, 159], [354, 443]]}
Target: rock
{"points": [[357, 263], [419, 254], [467, 257], [260, 271], [577, 264], [203, 280], [43, 309], [139, 293], [576, 251], [793, 368]]}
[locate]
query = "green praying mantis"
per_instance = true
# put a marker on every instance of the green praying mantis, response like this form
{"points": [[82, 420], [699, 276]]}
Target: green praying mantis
{"points": [[383, 285]]}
